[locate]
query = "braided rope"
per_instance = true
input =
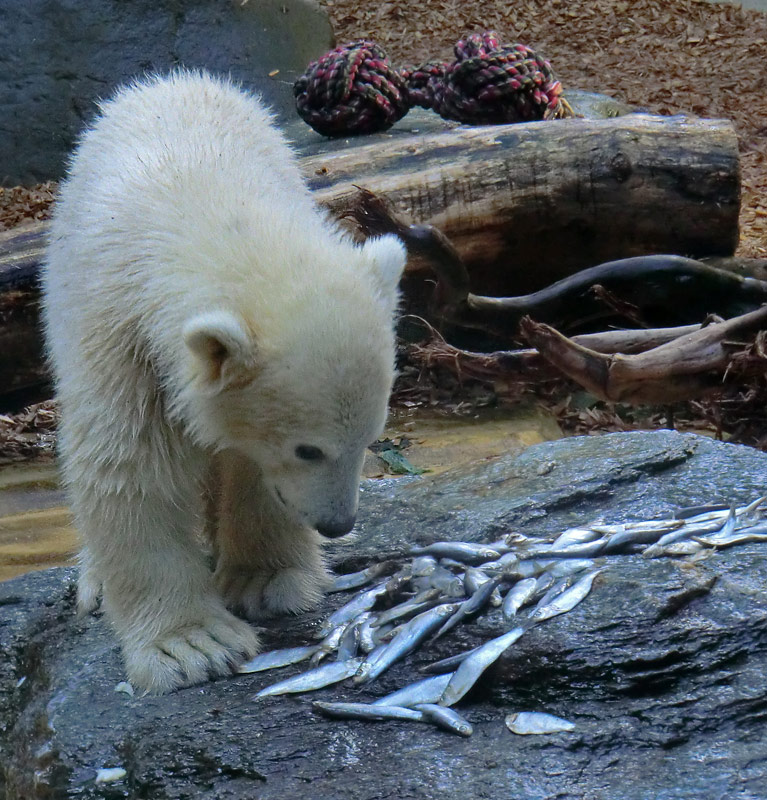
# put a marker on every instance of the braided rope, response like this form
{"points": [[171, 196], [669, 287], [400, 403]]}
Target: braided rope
{"points": [[354, 89]]}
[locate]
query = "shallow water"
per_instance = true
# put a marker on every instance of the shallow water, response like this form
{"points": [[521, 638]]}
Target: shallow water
{"points": [[36, 529]]}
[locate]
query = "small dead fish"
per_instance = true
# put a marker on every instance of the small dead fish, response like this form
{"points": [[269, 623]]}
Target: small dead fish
{"points": [[519, 594], [689, 531], [353, 580], [501, 545], [445, 718], [676, 549], [349, 645], [422, 566], [536, 722], [465, 552], [411, 635], [368, 635], [507, 562], [277, 658], [421, 602], [366, 711], [473, 578], [470, 607], [575, 536], [736, 537], [330, 643], [566, 601], [428, 690], [559, 586], [584, 550], [569, 566], [358, 605], [317, 678], [472, 667], [446, 664], [444, 581], [697, 511]]}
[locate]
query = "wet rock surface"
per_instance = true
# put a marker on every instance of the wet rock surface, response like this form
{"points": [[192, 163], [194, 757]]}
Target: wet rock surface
{"points": [[662, 668]]}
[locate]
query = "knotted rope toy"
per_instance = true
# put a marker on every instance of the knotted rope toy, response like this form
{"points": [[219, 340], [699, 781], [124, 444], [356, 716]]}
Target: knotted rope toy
{"points": [[354, 89]]}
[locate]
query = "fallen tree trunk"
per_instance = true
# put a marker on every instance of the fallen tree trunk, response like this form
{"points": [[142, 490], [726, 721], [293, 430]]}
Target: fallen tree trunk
{"points": [[523, 204]]}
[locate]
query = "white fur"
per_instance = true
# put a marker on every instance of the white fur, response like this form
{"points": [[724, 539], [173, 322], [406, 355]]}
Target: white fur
{"points": [[198, 303]]}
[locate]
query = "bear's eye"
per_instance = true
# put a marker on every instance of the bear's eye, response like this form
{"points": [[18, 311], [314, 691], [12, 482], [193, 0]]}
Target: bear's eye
{"points": [[308, 452]]}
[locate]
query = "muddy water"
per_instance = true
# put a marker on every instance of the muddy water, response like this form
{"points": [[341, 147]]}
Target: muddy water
{"points": [[36, 529]]}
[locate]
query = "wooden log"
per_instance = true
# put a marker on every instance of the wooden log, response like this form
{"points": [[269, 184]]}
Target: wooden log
{"points": [[552, 197], [546, 198]]}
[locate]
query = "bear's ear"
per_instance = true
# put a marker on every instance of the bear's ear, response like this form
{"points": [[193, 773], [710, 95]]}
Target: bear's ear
{"points": [[386, 256], [223, 348]]}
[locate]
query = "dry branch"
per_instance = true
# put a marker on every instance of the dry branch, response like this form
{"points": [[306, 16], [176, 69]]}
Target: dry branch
{"points": [[678, 370]]}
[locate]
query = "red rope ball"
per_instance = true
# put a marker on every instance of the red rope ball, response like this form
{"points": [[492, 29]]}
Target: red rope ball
{"points": [[354, 89], [490, 83]]}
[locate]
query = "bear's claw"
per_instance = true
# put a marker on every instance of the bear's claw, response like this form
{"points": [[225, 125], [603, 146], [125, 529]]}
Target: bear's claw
{"points": [[192, 655]]}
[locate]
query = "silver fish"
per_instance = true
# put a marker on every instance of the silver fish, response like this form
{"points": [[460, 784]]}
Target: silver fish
{"points": [[361, 603], [472, 667], [676, 549], [559, 586], [411, 635], [368, 635], [536, 722], [466, 552], [277, 658], [423, 566], [421, 602], [473, 578], [445, 718], [444, 581], [519, 594], [584, 550], [317, 678], [690, 530], [366, 711], [446, 664], [330, 642], [349, 645], [566, 601], [428, 690], [575, 536], [506, 563], [470, 607], [353, 580], [569, 566], [744, 536]]}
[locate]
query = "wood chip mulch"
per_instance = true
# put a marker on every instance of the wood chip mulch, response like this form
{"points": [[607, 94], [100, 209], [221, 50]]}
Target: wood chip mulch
{"points": [[668, 56], [30, 434]]}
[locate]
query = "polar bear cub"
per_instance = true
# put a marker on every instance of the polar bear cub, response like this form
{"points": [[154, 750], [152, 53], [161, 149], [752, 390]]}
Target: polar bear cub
{"points": [[199, 308]]}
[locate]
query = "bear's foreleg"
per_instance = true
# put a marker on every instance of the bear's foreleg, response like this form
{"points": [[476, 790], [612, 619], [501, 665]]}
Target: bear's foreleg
{"points": [[266, 562], [139, 532]]}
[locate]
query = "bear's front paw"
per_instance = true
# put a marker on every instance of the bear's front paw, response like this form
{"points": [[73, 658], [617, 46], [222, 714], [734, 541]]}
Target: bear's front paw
{"points": [[191, 654], [266, 592]]}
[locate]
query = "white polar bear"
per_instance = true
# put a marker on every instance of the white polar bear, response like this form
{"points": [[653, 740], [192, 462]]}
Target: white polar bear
{"points": [[199, 307]]}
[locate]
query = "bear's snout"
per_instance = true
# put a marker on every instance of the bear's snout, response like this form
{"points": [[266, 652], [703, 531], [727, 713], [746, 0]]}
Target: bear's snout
{"points": [[336, 528]]}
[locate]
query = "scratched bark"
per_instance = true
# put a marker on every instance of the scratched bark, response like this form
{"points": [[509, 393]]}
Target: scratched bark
{"points": [[661, 668]]}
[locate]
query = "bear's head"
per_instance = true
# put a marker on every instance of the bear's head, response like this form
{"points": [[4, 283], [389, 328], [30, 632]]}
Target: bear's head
{"points": [[303, 389]]}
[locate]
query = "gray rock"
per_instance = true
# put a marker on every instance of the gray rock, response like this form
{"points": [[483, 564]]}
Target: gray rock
{"points": [[58, 57], [662, 669]]}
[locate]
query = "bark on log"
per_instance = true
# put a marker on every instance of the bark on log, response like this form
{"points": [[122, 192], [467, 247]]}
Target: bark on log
{"points": [[547, 197], [552, 197]]}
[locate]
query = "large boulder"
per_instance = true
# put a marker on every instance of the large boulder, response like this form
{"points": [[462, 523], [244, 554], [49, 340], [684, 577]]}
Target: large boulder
{"points": [[59, 57], [662, 669]]}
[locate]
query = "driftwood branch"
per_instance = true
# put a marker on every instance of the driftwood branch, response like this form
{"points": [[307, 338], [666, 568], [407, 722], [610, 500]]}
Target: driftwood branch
{"points": [[664, 289], [684, 368]]}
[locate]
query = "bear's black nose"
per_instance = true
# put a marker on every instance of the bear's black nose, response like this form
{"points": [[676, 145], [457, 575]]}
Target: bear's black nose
{"points": [[336, 528]]}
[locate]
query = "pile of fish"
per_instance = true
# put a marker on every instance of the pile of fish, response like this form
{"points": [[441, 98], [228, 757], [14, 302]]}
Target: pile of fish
{"points": [[446, 584]]}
